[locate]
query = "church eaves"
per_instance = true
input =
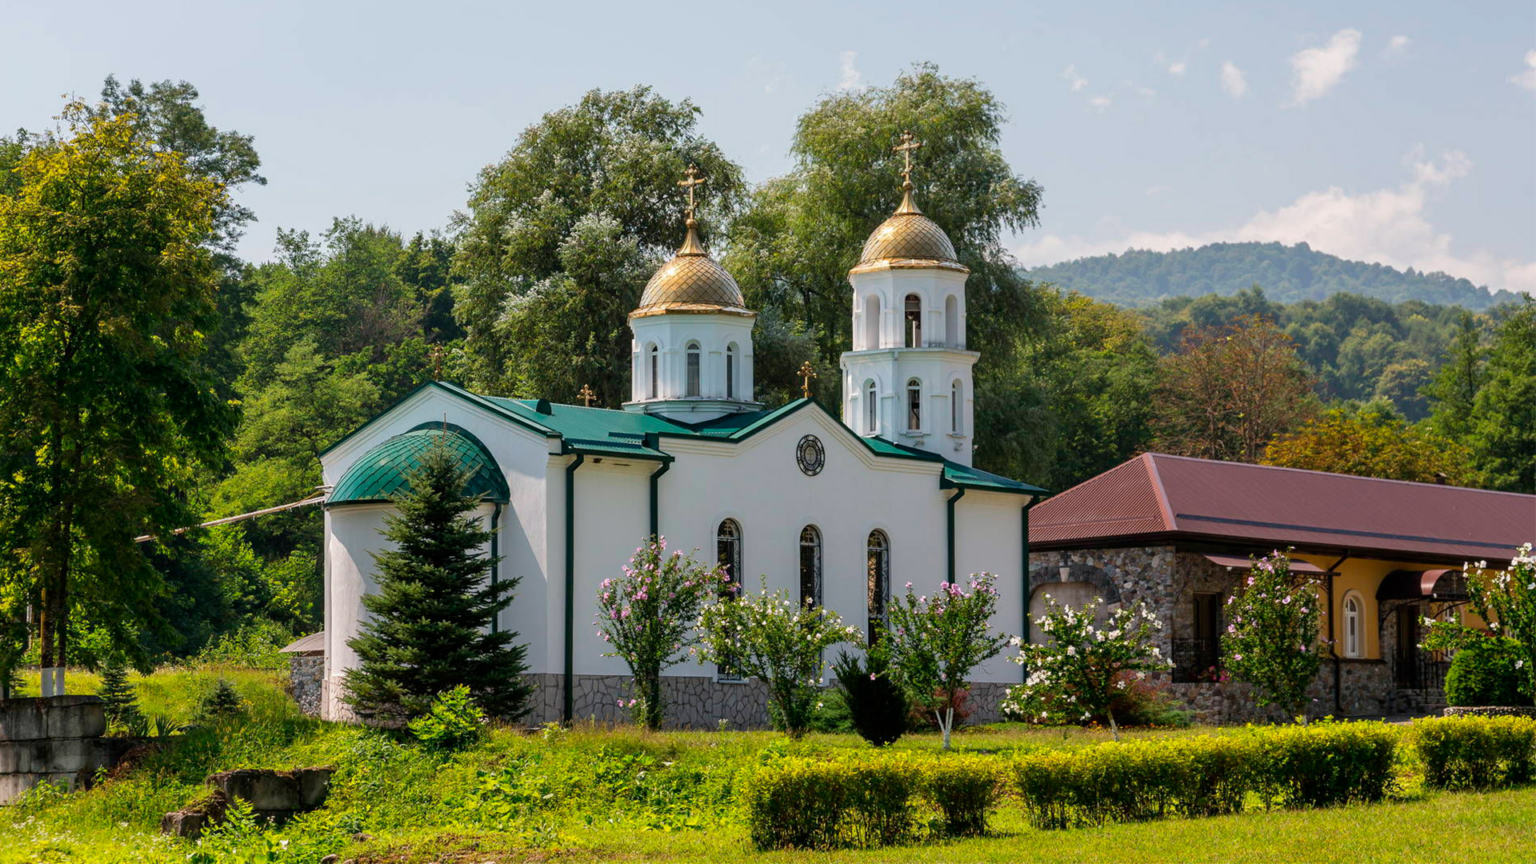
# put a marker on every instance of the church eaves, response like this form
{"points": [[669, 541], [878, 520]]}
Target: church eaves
{"points": [[384, 471]]}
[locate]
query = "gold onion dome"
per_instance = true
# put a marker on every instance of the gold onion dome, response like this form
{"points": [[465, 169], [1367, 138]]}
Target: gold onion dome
{"points": [[908, 235], [692, 281]]}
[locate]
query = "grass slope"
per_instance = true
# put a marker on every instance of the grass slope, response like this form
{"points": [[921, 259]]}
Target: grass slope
{"points": [[599, 794]]}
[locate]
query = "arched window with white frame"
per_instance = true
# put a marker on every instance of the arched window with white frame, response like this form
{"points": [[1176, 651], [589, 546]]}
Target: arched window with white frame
{"points": [[655, 371], [878, 580], [730, 371], [871, 322], [914, 321], [810, 566], [914, 405], [956, 407], [951, 322], [694, 360], [728, 555], [1354, 625], [871, 407]]}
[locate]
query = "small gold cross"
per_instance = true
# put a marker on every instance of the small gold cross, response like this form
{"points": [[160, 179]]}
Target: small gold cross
{"points": [[436, 356], [586, 396], [807, 373], [905, 148], [693, 180]]}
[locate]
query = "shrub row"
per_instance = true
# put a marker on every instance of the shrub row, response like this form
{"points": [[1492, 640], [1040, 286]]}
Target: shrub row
{"points": [[1475, 752], [868, 801], [1301, 766]]}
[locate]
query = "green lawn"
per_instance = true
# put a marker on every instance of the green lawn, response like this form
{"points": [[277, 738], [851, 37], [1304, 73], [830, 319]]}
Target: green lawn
{"points": [[599, 794]]}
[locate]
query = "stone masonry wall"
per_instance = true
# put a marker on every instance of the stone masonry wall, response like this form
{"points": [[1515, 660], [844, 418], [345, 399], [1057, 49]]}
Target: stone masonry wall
{"points": [[305, 672], [1166, 580]]}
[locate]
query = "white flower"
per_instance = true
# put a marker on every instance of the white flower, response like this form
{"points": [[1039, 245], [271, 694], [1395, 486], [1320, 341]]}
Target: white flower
{"points": [[1071, 651]]}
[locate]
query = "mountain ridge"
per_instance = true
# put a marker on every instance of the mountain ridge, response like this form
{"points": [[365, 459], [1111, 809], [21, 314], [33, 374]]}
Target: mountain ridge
{"points": [[1288, 274]]}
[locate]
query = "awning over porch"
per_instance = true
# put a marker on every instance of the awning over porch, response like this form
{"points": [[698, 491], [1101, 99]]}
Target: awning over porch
{"points": [[311, 645], [1446, 585], [1241, 561]]}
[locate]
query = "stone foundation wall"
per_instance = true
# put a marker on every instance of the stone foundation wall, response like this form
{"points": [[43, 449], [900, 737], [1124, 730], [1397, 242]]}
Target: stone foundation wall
{"points": [[305, 672]]}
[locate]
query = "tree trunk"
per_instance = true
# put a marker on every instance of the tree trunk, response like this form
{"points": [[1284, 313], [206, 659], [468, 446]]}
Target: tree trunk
{"points": [[1113, 729], [946, 723]]}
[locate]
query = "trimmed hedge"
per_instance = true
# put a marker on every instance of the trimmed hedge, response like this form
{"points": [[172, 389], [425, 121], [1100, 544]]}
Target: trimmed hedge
{"points": [[1475, 752], [1299, 766], [868, 801]]}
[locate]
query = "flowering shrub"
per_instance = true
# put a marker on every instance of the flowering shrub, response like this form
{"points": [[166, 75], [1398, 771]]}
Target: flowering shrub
{"points": [[1273, 638], [765, 636], [936, 643], [647, 616], [1079, 668], [1506, 599]]}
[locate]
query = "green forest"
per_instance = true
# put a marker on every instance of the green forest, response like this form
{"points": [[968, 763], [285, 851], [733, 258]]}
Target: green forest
{"points": [[1289, 274], [154, 380]]}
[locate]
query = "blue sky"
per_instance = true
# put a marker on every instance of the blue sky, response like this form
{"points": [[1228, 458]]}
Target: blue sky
{"points": [[1401, 132]]}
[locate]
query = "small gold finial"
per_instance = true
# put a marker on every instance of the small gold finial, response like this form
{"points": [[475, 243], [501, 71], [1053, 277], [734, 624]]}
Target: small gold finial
{"points": [[586, 396], [436, 356], [691, 244], [807, 373], [908, 145]]}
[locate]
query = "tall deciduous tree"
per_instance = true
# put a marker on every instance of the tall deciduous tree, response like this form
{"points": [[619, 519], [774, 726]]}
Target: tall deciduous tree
{"points": [[562, 234], [106, 404], [1230, 390], [793, 249], [1372, 442], [1503, 417], [1454, 388], [430, 629]]}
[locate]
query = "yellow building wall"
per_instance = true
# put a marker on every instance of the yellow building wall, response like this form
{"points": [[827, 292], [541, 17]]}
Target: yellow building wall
{"points": [[1364, 575]]}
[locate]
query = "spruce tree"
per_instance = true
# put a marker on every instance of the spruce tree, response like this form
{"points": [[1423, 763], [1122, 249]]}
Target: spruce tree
{"points": [[118, 700], [430, 628]]}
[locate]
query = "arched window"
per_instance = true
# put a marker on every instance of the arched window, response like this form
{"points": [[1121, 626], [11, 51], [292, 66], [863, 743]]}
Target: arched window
{"points": [[655, 368], [952, 321], [730, 371], [692, 384], [914, 405], [871, 407], [878, 559], [1354, 637], [810, 566], [956, 406], [871, 322], [914, 322], [728, 554]]}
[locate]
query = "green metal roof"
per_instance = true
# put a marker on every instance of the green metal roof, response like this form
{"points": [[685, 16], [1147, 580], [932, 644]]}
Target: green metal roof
{"points": [[637, 435], [384, 471]]}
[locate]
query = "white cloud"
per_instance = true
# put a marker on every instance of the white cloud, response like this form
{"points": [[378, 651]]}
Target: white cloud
{"points": [[1075, 81], [1177, 68], [851, 77], [1233, 81], [1389, 226], [1526, 79], [1099, 103], [1397, 45], [1315, 71]]}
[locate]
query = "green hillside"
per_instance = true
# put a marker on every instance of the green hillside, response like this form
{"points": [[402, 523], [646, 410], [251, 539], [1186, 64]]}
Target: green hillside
{"points": [[1288, 273]]}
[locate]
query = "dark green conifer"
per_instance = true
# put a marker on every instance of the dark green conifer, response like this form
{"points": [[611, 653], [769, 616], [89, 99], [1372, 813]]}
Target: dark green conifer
{"points": [[430, 627], [221, 702], [118, 700]]}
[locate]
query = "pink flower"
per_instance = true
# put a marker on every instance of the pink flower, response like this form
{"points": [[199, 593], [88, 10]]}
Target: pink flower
{"points": [[871, 676]]}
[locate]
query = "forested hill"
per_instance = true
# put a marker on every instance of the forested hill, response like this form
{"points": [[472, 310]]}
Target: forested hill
{"points": [[1287, 273]]}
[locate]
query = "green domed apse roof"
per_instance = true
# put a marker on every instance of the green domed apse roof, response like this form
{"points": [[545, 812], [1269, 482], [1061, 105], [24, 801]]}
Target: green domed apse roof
{"points": [[384, 471]]}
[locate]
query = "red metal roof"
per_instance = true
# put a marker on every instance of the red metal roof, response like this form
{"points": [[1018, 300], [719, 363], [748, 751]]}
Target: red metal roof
{"points": [[1160, 497]]}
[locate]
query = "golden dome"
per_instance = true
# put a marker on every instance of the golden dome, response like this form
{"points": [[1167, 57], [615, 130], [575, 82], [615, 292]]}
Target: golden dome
{"points": [[691, 282], [908, 235]]}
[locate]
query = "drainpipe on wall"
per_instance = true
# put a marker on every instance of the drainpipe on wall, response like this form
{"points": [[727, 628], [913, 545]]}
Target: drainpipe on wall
{"points": [[569, 709], [495, 561], [1333, 647], [959, 493], [653, 441]]}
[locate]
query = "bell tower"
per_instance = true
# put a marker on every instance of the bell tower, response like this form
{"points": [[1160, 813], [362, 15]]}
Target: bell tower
{"points": [[908, 378]]}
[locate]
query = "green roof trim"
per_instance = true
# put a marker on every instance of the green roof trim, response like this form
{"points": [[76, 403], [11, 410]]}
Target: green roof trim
{"points": [[963, 477], [384, 472]]}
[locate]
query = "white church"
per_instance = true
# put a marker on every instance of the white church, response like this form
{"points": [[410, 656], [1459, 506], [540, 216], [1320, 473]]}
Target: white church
{"points": [[838, 510]]}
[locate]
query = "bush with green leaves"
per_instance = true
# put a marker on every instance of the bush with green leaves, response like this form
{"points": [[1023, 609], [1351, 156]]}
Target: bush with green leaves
{"points": [[1506, 599], [1273, 638], [649, 615], [454, 722], [936, 643], [767, 637], [876, 704], [1323, 764], [1475, 752], [1077, 671], [965, 789], [1485, 672]]}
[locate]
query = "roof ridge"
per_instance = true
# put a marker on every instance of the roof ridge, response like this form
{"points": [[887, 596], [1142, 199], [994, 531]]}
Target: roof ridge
{"points": [[1156, 456], [1149, 462]]}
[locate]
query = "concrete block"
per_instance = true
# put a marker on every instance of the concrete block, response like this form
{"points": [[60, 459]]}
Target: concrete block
{"points": [[13, 785], [75, 717], [314, 785], [19, 757], [183, 823], [71, 755], [22, 720]]}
